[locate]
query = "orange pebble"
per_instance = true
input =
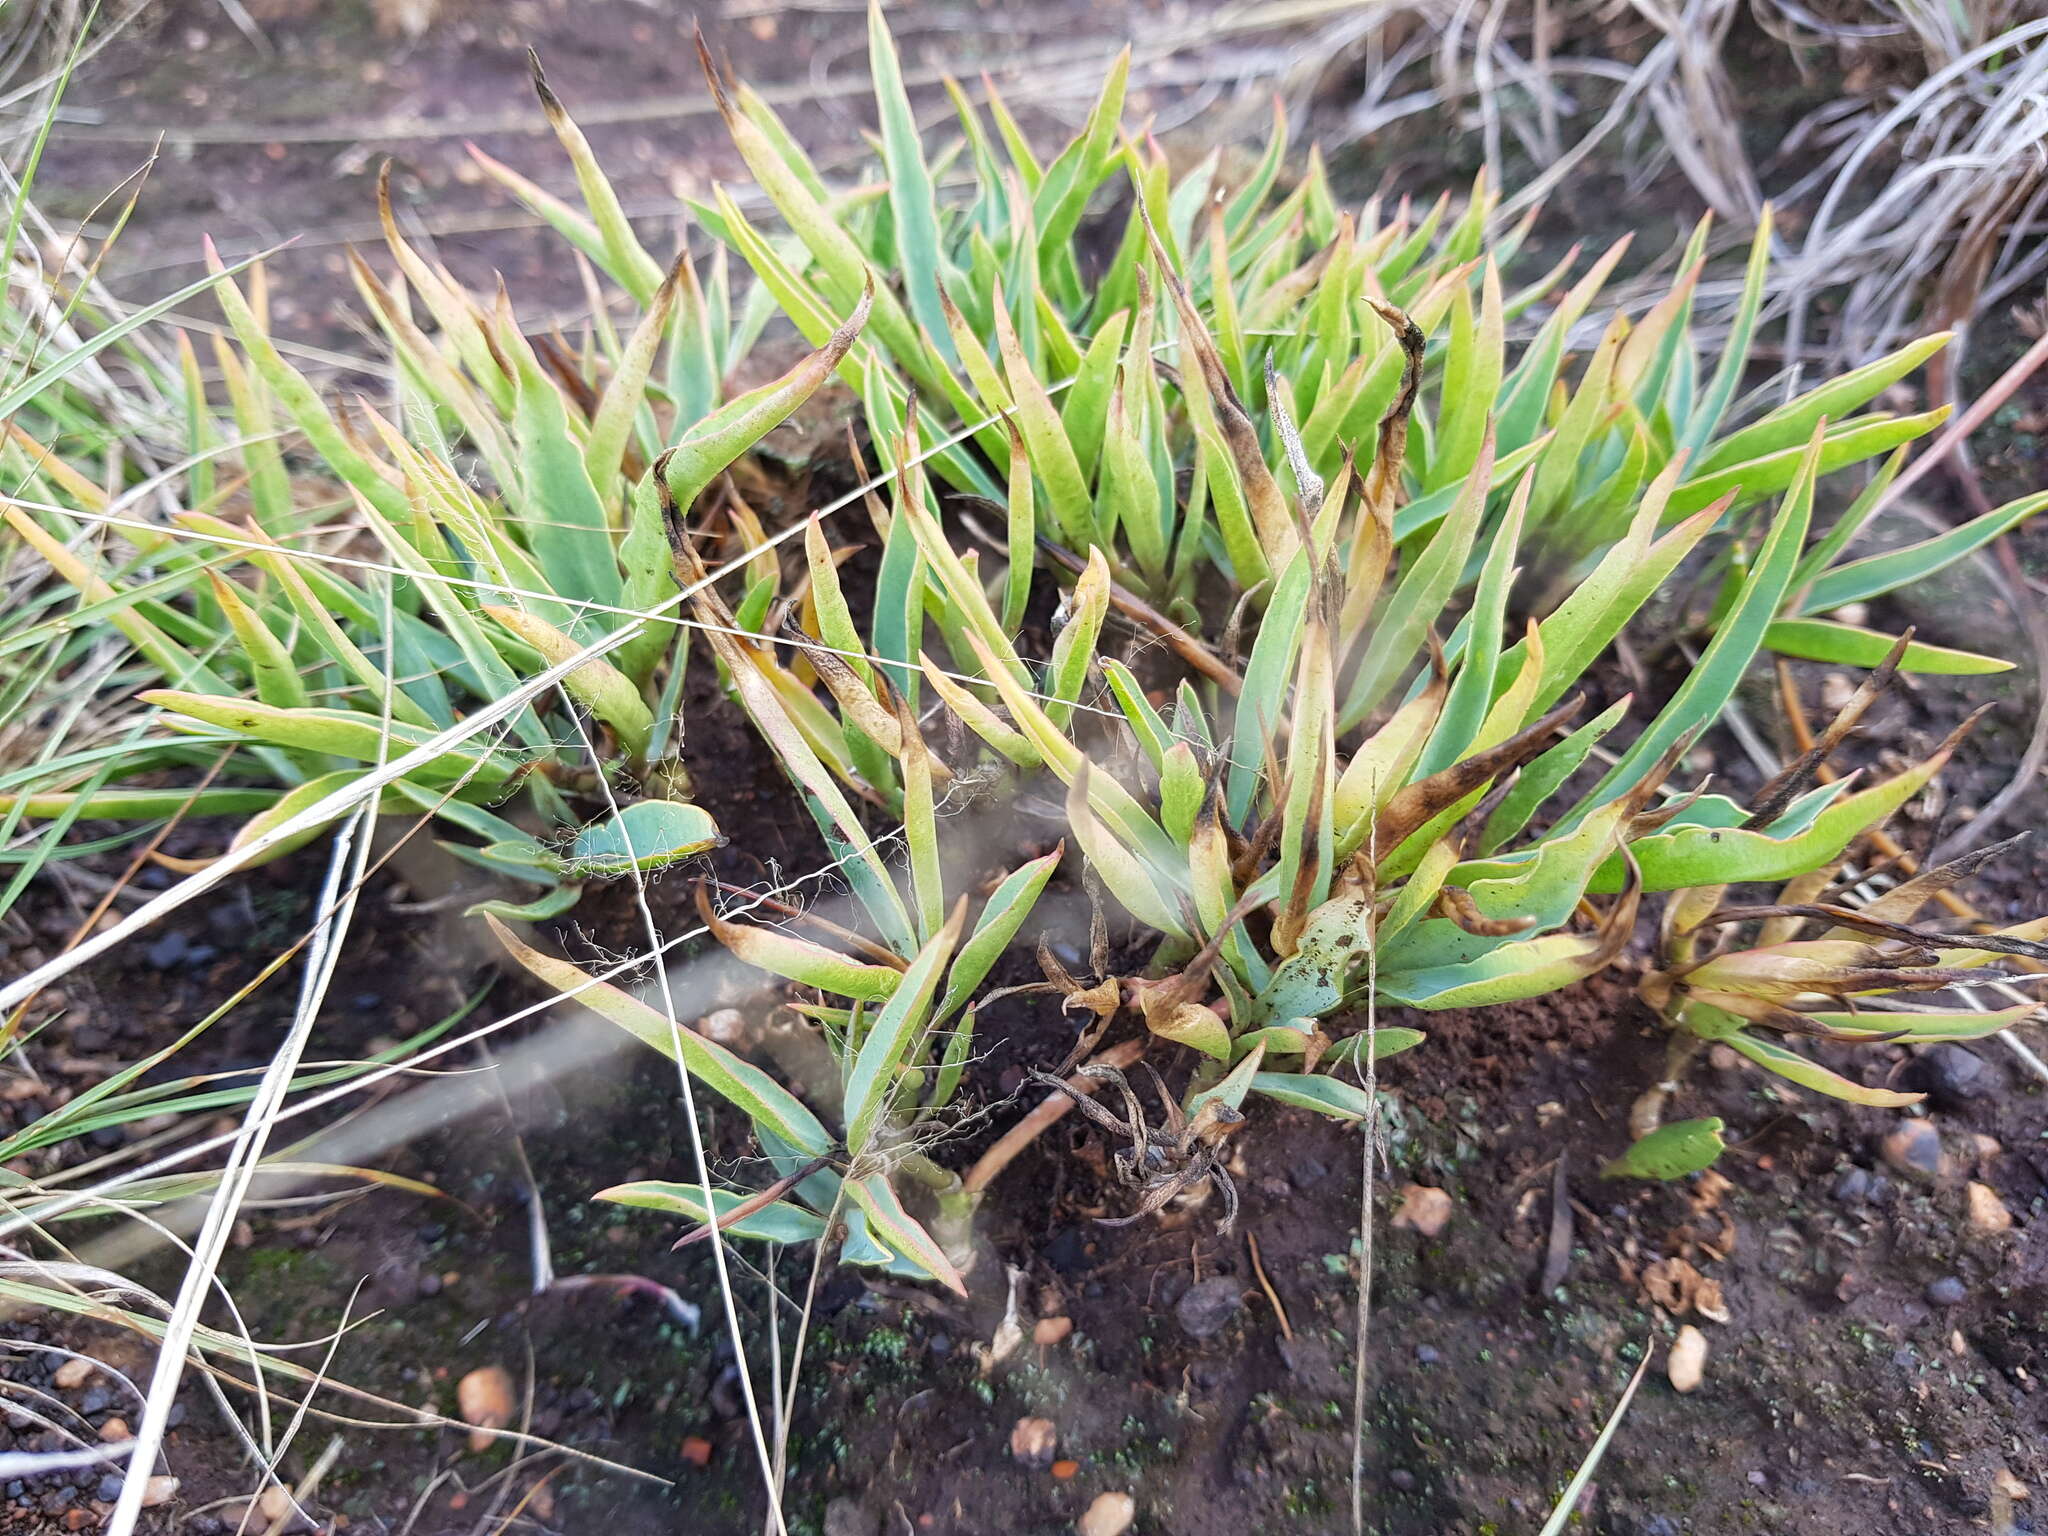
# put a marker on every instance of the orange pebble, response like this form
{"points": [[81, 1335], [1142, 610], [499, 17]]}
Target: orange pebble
{"points": [[697, 1451], [1065, 1469]]}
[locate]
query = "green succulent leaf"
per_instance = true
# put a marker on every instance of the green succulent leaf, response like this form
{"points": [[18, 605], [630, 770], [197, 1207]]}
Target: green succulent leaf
{"points": [[1234, 1086], [1808, 1073], [1685, 856], [891, 1044], [545, 907], [1709, 685], [1847, 645], [740, 1083], [1670, 1152], [1388, 1040], [776, 1222], [1002, 915], [646, 835], [1330, 1096], [876, 1199], [344, 733], [1914, 1026], [1876, 575]]}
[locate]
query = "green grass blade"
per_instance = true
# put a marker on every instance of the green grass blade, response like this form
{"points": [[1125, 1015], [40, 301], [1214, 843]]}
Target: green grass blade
{"points": [[912, 199], [1710, 684], [888, 1047], [746, 1087], [1876, 575]]}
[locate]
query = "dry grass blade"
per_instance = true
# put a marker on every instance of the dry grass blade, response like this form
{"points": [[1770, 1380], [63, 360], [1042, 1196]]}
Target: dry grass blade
{"points": [[337, 907]]}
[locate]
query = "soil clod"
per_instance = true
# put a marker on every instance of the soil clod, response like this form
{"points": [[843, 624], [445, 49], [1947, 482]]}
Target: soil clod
{"points": [[1423, 1209], [1208, 1306], [1914, 1148], [1987, 1212], [484, 1398], [1952, 1076], [1687, 1366], [1110, 1515], [1948, 1291], [1033, 1440]]}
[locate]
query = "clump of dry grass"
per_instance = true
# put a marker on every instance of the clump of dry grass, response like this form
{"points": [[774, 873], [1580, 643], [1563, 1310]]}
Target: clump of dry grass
{"points": [[1918, 187]]}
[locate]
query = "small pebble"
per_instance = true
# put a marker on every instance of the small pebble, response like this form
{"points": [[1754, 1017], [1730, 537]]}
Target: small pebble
{"points": [[727, 1026], [159, 1490], [1048, 1331], [1426, 1354], [115, 1430], [1033, 1440], [1686, 1367], [167, 951], [1954, 1075], [484, 1398], [1110, 1515], [109, 1489], [1914, 1147], [73, 1373], [1988, 1214], [1948, 1291], [1402, 1479], [1423, 1209], [1208, 1306], [1852, 1186]]}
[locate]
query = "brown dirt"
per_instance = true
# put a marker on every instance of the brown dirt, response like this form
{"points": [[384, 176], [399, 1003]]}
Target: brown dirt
{"points": [[264, 149]]}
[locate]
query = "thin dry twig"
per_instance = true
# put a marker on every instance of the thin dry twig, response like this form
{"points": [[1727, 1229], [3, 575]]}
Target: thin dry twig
{"points": [[1251, 1243]]}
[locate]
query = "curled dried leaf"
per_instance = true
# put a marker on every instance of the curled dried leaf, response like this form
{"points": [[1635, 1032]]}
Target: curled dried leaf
{"points": [[1416, 805]]}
